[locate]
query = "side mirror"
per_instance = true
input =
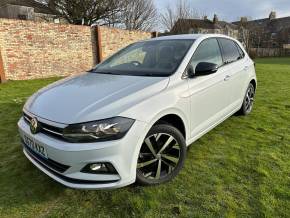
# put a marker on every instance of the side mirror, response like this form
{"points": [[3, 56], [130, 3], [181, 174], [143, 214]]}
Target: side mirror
{"points": [[205, 68]]}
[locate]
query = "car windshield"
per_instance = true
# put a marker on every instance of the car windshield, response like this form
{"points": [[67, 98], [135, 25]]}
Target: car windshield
{"points": [[148, 58]]}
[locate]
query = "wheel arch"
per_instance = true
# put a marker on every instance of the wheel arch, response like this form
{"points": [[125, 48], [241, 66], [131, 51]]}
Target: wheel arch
{"points": [[175, 121], [173, 117], [254, 82]]}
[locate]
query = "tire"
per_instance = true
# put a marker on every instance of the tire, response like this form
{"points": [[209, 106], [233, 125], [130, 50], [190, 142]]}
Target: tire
{"points": [[154, 167], [248, 101]]}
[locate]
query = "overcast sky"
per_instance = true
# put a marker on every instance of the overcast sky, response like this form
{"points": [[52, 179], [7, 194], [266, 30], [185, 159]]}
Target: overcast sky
{"points": [[231, 10]]}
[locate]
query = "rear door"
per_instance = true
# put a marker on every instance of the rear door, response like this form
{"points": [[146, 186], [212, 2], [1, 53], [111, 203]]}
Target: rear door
{"points": [[236, 65]]}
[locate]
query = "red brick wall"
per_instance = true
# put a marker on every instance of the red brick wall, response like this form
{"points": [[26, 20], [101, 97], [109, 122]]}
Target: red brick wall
{"points": [[113, 39], [36, 50]]}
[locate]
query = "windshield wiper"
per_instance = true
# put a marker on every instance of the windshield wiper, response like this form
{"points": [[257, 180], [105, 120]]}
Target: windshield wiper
{"points": [[128, 74], [94, 71]]}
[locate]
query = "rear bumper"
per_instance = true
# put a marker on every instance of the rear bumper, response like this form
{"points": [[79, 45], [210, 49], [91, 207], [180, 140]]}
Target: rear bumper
{"points": [[65, 160]]}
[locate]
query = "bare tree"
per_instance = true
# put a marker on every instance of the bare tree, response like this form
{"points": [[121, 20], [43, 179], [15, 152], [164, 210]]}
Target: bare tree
{"points": [[283, 37], [86, 12], [130, 14], [175, 14], [139, 14], [245, 37]]}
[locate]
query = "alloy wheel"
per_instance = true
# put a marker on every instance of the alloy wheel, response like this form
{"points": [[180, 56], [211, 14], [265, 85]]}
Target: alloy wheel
{"points": [[159, 156], [249, 100]]}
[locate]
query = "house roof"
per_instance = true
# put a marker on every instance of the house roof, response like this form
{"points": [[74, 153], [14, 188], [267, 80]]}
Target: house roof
{"points": [[281, 19], [38, 7], [274, 24], [204, 23]]}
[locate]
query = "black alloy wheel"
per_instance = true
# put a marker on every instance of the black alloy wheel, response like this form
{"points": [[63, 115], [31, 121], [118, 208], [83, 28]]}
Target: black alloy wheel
{"points": [[161, 156], [248, 102]]}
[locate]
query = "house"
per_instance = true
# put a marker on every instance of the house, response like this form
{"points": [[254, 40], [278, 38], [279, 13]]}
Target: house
{"points": [[183, 26], [271, 32], [28, 10]]}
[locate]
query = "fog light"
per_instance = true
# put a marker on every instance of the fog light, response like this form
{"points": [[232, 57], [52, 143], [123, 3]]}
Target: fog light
{"points": [[95, 167], [99, 168]]}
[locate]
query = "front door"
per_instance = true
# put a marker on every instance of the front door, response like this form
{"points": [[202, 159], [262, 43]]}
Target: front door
{"points": [[210, 94]]}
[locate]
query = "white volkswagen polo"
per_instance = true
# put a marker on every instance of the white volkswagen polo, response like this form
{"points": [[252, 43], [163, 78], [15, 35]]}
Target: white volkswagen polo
{"points": [[132, 117]]}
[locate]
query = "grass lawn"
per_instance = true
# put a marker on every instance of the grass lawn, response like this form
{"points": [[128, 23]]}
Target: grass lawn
{"points": [[239, 169]]}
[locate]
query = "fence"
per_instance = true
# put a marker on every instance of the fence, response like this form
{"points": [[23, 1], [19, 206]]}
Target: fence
{"points": [[269, 52], [30, 50]]}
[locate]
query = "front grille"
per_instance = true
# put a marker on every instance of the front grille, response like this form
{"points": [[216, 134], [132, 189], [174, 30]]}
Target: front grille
{"points": [[53, 131], [47, 162]]}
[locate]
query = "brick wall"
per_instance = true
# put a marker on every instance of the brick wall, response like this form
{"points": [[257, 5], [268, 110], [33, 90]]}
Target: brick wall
{"points": [[113, 39], [36, 50]]}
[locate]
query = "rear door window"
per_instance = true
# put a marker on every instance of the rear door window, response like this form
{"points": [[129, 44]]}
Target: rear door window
{"points": [[229, 50]]}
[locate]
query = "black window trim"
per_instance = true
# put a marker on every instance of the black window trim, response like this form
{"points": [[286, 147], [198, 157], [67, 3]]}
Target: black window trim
{"points": [[240, 49]]}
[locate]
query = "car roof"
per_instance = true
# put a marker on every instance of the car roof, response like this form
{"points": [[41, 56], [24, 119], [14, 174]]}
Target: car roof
{"points": [[188, 36], [182, 36]]}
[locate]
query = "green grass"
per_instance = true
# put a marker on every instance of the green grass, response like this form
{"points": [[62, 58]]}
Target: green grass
{"points": [[239, 169]]}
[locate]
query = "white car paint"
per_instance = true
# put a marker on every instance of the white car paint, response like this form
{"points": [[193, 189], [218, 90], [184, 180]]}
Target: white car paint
{"points": [[92, 96], [201, 103]]}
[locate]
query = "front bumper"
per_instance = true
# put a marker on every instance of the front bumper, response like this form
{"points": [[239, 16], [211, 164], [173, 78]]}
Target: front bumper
{"points": [[70, 158]]}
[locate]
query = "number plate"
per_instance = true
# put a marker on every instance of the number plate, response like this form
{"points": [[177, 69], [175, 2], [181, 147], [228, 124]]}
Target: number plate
{"points": [[39, 149]]}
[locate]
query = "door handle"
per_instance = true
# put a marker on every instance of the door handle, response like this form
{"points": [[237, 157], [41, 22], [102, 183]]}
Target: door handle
{"points": [[246, 67], [227, 77]]}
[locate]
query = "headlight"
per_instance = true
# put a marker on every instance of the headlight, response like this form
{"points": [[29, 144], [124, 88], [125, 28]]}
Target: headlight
{"points": [[101, 130]]}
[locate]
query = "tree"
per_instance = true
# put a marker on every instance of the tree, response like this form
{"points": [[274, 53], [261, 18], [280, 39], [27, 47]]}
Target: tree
{"points": [[86, 12], [177, 15], [139, 14], [131, 14], [245, 37], [283, 37]]}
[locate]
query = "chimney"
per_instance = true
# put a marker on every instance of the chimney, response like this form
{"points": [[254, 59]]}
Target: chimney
{"points": [[215, 19], [205, 17], [272, 15], [244, 19], [51, 5]]}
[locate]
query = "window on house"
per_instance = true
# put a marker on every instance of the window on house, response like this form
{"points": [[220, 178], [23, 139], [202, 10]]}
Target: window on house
{"points": [[22, 17], [273, 35], [56, 20]]}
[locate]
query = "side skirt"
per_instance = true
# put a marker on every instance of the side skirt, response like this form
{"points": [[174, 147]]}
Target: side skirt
{"points": [[190, 141]]}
